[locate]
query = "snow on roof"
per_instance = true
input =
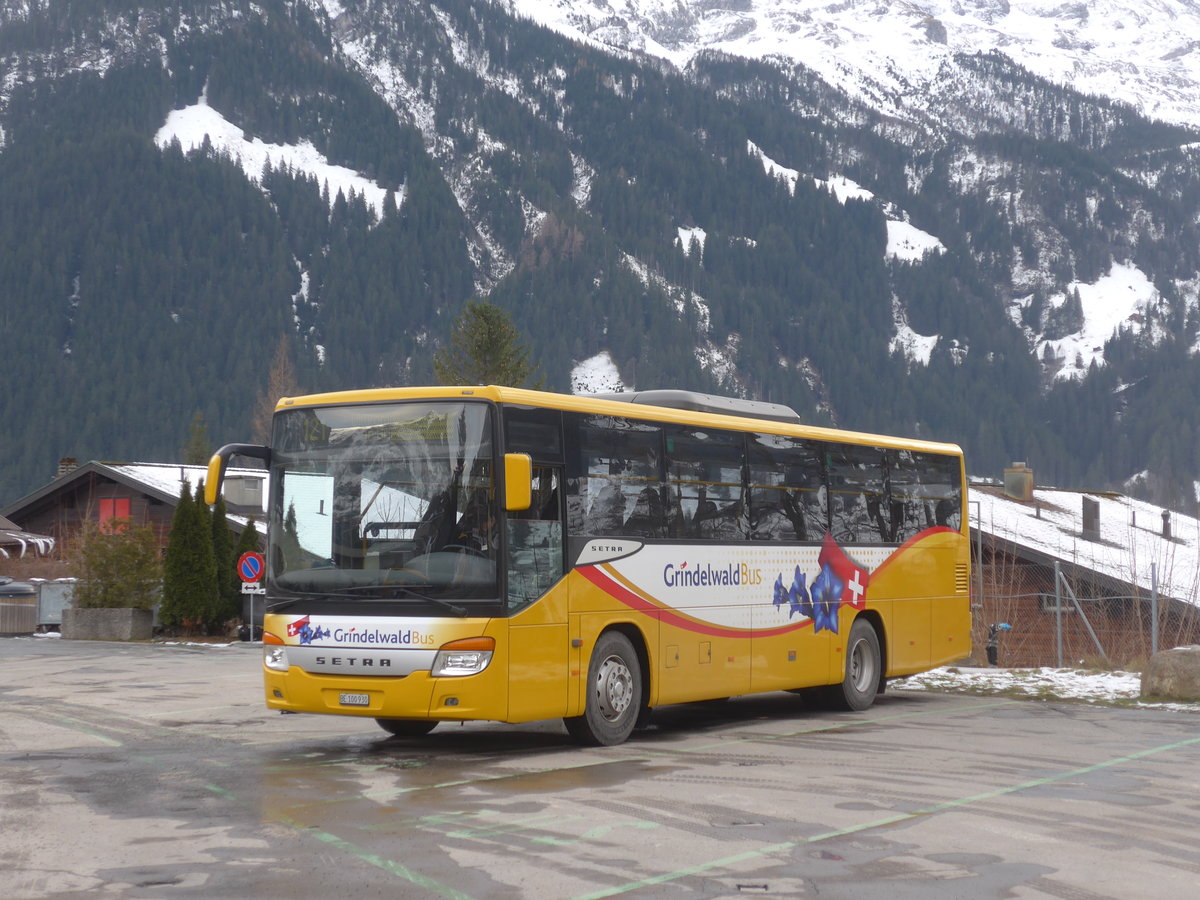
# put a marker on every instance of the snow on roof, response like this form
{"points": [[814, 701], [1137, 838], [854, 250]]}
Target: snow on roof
{"points": [[15, 540], [169, 478], [1128, 541]]}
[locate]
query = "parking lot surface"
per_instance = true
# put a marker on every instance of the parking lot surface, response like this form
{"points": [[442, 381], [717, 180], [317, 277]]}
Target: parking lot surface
{"points": [[150, 770]]}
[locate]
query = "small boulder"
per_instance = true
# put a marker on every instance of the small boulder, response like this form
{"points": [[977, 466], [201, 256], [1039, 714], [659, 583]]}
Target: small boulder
{"points": [[1173, 675]]}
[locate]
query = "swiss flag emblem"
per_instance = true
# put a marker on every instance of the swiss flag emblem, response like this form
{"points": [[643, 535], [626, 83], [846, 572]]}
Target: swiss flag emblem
{"points": [[854, 578], [294, 628]]}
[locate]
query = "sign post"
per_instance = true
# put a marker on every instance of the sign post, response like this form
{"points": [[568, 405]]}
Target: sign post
{"points": [[250, 568]]}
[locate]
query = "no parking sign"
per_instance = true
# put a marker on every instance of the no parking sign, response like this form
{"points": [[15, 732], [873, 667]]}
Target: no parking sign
{"points": [[250, 566]]}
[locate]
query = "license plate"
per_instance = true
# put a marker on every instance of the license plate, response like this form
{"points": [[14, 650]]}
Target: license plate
{"points": [[354, 699]]}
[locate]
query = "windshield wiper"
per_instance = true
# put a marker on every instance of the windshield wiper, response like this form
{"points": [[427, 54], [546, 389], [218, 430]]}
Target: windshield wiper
{"points": [[294, 597], [353, 592]]}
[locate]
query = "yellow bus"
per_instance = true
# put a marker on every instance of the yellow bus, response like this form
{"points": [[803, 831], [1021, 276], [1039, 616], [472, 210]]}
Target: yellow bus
{"points": [[452, 553]]}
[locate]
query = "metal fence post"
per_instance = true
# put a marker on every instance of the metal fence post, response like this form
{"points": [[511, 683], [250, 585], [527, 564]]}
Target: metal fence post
{"points": [[1058, 642], [1153, 609], [978, 549]]}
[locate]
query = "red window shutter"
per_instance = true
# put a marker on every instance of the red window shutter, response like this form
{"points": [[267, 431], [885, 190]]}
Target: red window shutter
{"points": [[113, 508]]}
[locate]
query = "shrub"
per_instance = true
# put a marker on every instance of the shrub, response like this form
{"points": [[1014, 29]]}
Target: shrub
{"points": [[117, 566]]}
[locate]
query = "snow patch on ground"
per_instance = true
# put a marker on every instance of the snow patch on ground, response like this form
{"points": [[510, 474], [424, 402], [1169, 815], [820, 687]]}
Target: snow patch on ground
{"points": [[191, 125], [917, 348], [905, 241], [774, 169], [718, 359], [686, 235], [1045, 683], [844, 189], [1122, 298], [597, 375], [908, 243]]}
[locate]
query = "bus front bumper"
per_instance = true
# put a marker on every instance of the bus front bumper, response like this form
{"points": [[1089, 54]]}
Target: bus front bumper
{"points": [[417, 695]]}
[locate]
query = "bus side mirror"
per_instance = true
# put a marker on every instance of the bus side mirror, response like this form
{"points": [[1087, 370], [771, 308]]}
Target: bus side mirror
{"points": [[220, 460], [518, 481]]}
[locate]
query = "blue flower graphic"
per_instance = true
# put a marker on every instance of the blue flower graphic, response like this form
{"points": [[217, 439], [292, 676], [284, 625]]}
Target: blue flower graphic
{"points": [[827, 596], [781, 593], [798, 596]]}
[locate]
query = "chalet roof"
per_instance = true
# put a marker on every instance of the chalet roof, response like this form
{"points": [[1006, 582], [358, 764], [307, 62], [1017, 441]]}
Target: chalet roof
{"points": [[15, 542], [1127, 542], [163, 481]]}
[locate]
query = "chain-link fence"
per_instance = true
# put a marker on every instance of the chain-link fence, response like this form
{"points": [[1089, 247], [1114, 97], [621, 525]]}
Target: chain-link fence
{"points": [[1062, 618]]}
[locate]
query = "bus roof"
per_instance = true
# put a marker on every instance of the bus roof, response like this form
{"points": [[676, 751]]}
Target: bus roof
{"points": [[674, 406]]}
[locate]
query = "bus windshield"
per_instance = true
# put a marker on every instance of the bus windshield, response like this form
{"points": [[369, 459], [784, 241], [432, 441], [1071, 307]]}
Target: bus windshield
{"points": [[384, 503]]}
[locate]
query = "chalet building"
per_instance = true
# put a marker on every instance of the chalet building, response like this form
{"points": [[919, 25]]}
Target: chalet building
{"points": [[1080, 576], [144, 493]]}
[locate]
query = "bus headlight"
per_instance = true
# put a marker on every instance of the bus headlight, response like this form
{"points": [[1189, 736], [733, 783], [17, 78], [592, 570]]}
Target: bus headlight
{"points": [[469, 656], [274, 653]]}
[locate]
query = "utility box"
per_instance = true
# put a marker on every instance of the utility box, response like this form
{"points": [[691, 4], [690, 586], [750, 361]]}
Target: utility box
{"points": [[18, 607], [53, 598]]}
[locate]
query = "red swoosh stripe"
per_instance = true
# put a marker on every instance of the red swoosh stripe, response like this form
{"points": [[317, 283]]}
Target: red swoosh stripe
{"points": [[619, 592]]}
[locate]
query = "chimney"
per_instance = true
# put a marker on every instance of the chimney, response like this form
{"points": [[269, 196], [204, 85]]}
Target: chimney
{"points": [[1018, 482], [1091, 519], [1166, 514], [66, 465]]}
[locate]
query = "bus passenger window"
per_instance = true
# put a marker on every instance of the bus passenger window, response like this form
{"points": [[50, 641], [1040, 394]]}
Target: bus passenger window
{"points": [[857, 494], [787, 489], [704, 483], [620, 462], [926, 490]]}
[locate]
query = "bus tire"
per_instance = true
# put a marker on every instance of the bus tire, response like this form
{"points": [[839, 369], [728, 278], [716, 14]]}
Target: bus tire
{"points": [[863, 667], [614, 694], [407, 727]]}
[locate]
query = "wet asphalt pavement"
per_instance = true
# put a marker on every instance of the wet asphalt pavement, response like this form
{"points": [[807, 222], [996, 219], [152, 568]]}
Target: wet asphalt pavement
{"points": [[155, 771]]}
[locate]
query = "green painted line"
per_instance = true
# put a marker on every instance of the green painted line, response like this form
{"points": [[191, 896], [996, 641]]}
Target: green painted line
{"points": [[885, 822], [326, 837], [70, 724], [690, 870], [388, 865]]}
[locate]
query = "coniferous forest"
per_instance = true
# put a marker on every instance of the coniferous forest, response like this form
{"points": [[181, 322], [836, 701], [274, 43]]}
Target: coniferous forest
{"points": [[143, 284]]}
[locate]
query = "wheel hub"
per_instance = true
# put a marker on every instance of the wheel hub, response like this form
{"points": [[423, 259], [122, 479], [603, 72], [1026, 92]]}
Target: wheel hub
{"points": [[614, 686]]}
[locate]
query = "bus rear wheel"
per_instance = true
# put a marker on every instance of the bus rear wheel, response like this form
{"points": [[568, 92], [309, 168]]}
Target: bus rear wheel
{"points": [[614, 693], [407, 727], [863, 668]]}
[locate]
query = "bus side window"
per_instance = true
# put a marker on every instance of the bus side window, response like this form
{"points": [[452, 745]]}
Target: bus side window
{"points": [[620, 461], [925, 490], [704, 480], [942, 485], [787, 489], [911, 514], [857, 494]]}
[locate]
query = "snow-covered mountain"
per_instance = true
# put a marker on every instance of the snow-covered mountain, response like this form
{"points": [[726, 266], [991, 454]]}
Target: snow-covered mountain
{"points": [[891, 55], [959, 220]]}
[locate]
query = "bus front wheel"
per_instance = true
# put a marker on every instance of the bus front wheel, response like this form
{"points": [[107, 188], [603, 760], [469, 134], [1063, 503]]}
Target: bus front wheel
{"points": [[407, 727], [614, 693], [863, 667]]}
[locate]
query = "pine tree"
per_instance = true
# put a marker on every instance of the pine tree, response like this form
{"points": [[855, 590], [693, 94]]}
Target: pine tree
{"points": [[189, 572], [485, 348], [198, 449], [228, 585]]}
